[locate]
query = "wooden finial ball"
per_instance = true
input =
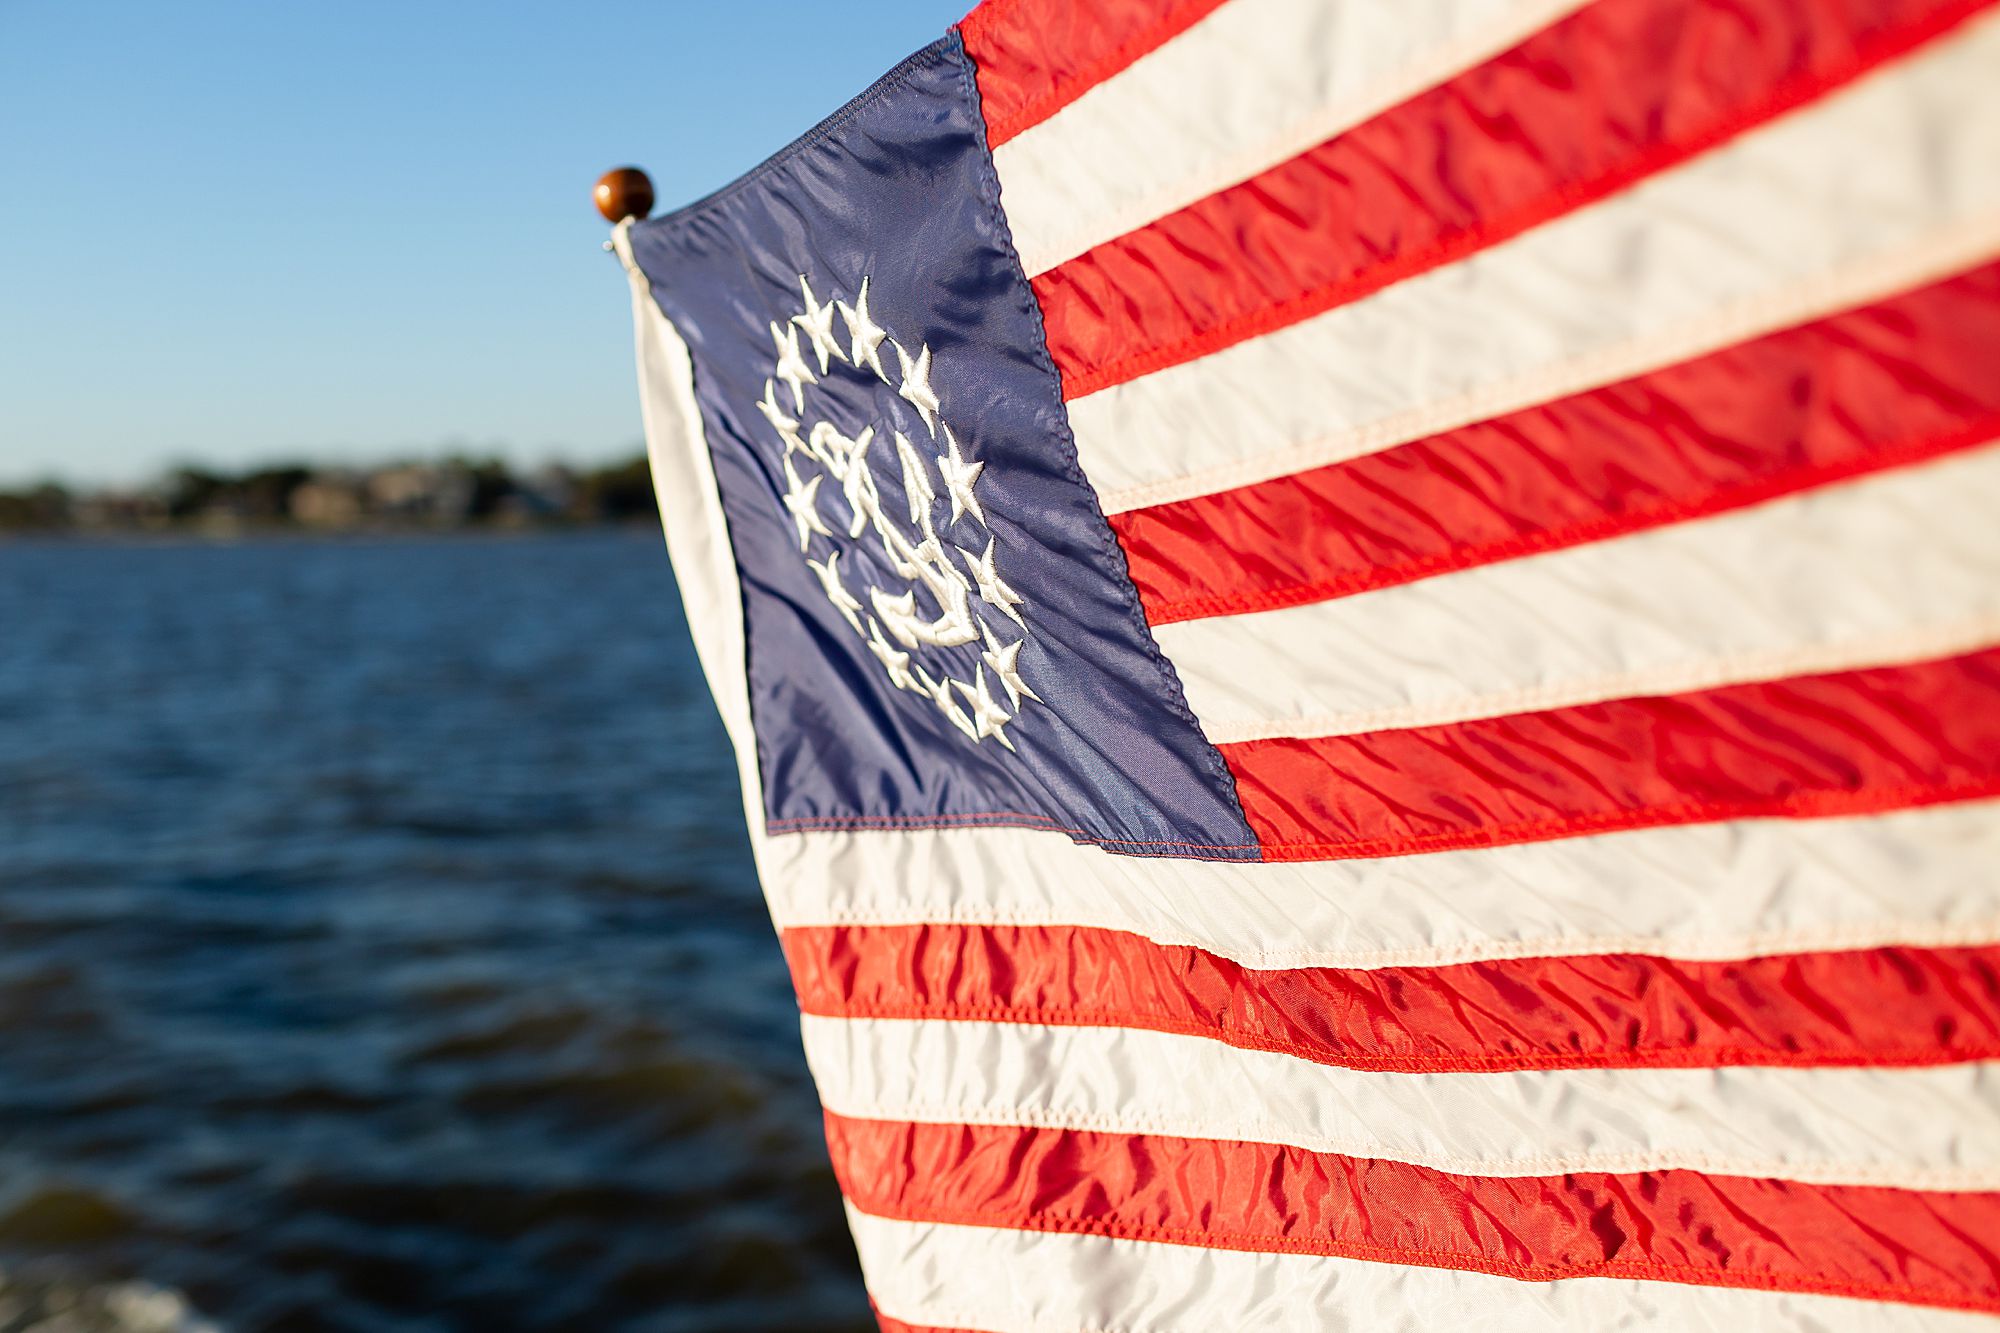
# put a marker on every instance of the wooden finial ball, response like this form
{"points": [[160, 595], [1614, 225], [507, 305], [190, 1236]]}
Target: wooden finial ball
{"points": [[623, 192]]}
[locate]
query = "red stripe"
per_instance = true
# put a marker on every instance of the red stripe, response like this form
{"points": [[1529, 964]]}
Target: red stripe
{"points": [[1910, 1246], [1616, 92], [898, 1326], [1890, 1006], [1846, 743], [1035, 57], [1905, 379]]}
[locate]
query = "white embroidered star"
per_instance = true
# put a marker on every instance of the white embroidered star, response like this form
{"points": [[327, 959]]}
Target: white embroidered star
{"points": [[904, 558], [893, 660], [802, 502], [900, 612], [792, 367], [917, 385], [836, 591], [945, 583], [1003, 660], [830, 447], [917, 486], [988, 717], [858, 485], [959, 479], [865, 347], [991, 588], [817, 321], [786, 426], [940, 692]]}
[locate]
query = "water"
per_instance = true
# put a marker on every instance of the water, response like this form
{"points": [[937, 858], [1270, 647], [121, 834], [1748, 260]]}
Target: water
{"points": [[379, 950]]}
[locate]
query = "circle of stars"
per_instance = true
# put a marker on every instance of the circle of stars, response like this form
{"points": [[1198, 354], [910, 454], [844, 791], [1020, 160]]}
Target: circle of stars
{"points": [[976, 607]]}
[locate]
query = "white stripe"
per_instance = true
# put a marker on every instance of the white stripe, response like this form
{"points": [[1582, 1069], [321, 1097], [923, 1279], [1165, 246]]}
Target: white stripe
{"points": [[1252, 84], [1706, 891], [1929, 1128], [1896, 567], [697, 534], [1883, 186], [691, 517], [990, 1278]]}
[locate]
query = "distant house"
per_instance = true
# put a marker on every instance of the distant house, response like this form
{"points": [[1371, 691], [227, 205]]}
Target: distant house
{"points": [[329, 500]]}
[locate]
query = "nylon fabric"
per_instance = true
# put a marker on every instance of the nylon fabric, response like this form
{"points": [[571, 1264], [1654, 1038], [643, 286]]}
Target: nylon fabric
{"points": [[1703, 891], [1848, 1126], [1675, 1226], [1875, 1006], [1602, 98], [1804, 747], [840, 740], [889, 1325], [1181, 122], [1885, 385], [1588, 920], [1039, 1282], [1035, 57], [1894, 567], [1871, 190], [697, 536]]}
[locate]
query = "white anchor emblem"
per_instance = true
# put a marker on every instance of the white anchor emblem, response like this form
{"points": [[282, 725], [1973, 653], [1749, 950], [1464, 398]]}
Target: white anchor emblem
{"points": [[951, 595]]}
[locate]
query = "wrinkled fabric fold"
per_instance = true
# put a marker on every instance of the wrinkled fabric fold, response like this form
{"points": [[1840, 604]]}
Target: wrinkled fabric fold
{"points": [[1869, 1244], [1881, 386], [1805, 747], [1617, 91], [1876, 1006]]}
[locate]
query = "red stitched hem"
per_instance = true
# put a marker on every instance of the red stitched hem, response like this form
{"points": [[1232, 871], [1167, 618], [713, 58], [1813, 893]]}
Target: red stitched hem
{"points": [[1815, 805], [1689, 1057], [990, 819]]}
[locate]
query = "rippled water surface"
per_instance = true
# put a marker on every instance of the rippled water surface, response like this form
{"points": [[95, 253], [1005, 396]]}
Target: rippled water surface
{"points": [[379, 949]]}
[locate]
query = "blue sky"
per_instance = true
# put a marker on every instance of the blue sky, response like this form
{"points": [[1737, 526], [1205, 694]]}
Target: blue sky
{"points": [[236, 232]]}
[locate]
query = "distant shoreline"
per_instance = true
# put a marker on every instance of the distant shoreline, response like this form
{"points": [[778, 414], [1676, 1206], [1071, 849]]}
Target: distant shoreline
{"points": [[294, 535], [398, 499]]}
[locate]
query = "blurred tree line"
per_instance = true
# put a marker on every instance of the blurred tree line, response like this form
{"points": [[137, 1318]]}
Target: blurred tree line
{"points": [[448, 493]]}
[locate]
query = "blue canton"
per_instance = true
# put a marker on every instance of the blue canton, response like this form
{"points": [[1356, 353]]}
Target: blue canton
{"points": [[940, 629]]}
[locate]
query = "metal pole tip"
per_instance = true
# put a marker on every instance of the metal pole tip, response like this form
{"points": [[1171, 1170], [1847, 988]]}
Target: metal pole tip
{"points": [[623, 192]]}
